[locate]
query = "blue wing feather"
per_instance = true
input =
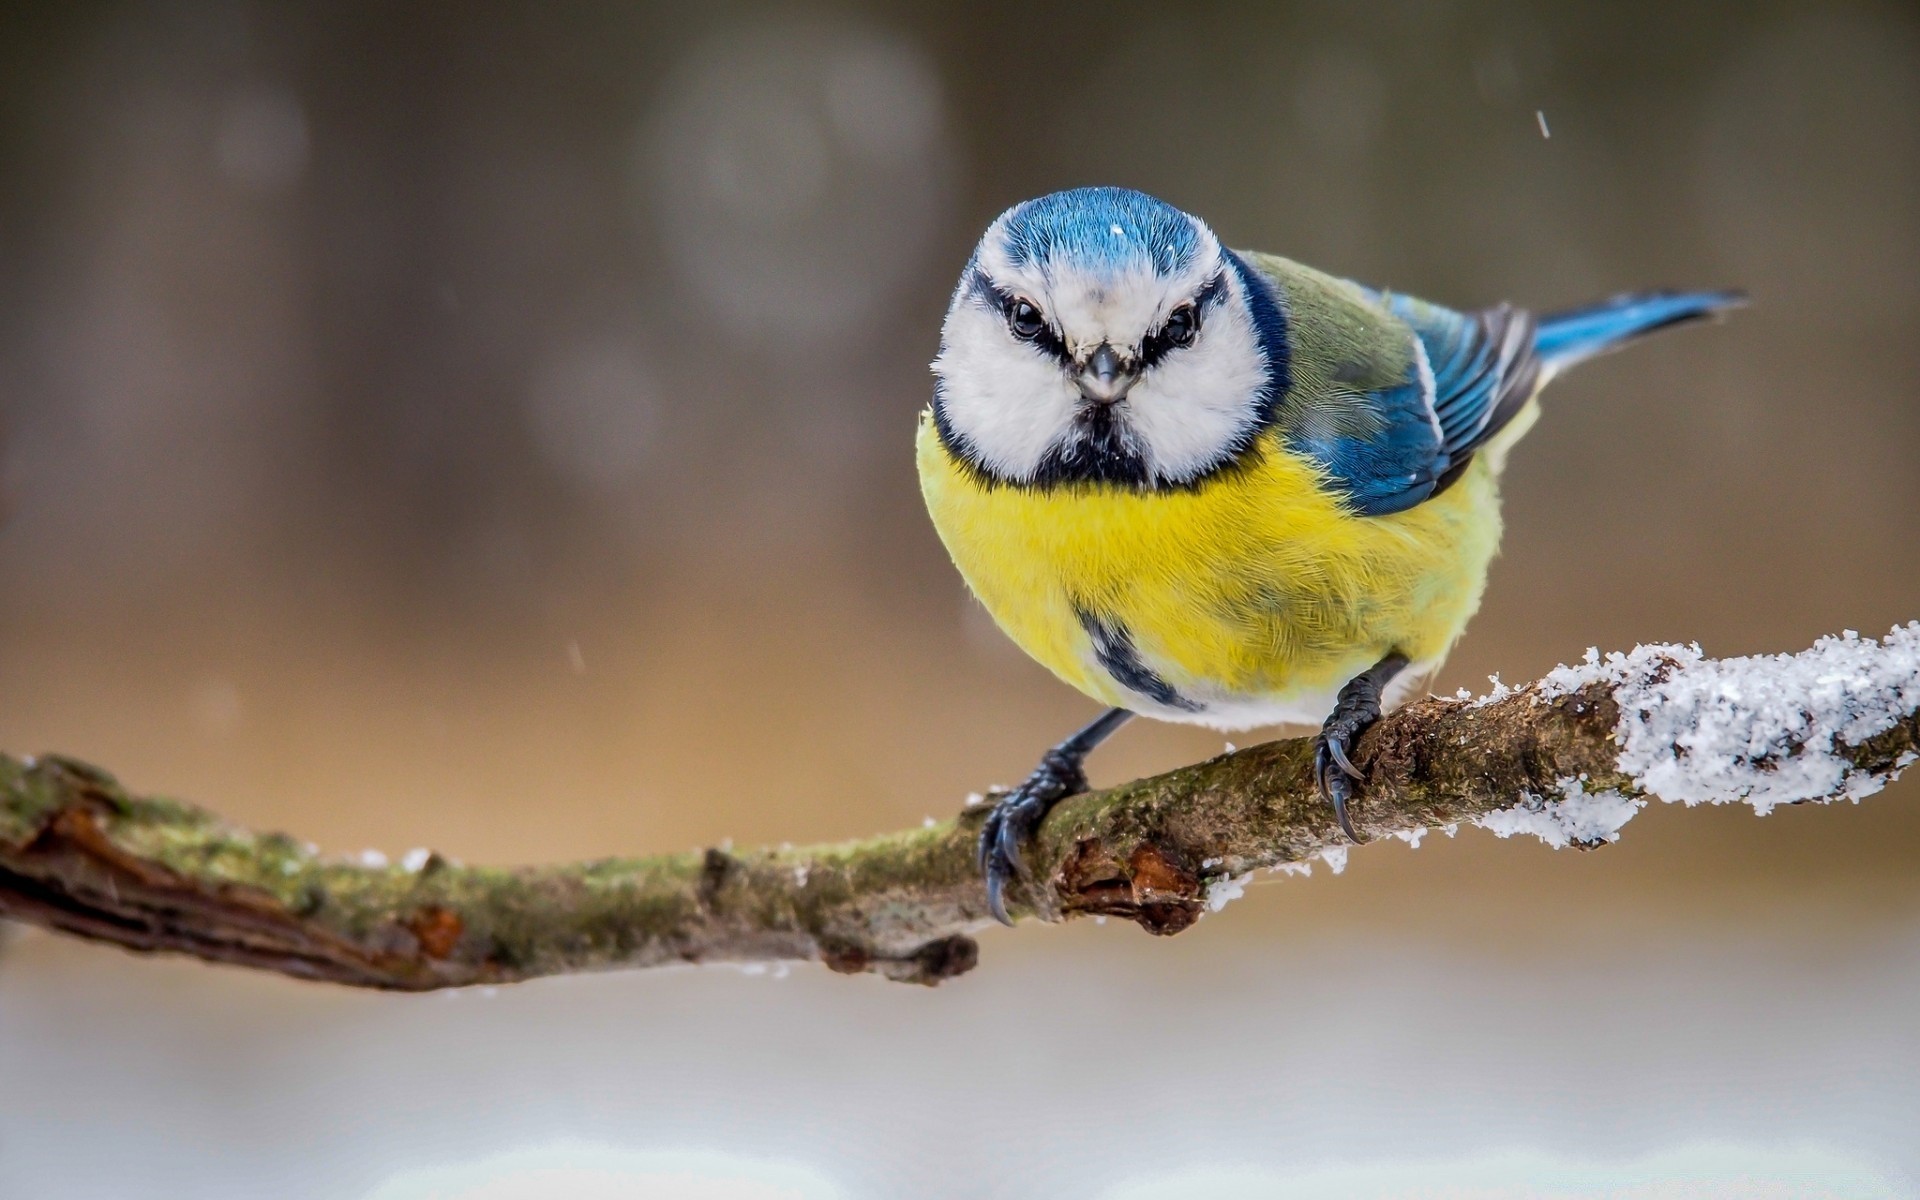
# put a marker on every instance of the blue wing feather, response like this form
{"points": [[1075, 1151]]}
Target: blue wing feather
{"points": [[1484, 369], [1480, 370], [1393, 467]]}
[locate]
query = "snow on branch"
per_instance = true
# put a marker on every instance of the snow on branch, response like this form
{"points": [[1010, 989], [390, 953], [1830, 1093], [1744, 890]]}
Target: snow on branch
{"points": [[1569, 759]]}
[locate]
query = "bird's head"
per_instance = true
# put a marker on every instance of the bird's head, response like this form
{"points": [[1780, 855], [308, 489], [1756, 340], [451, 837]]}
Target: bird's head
{"points": [[1101, 335]]}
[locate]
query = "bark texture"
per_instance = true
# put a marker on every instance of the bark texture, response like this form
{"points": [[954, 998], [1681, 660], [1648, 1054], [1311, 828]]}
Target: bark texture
{"points": [[82, 855]]}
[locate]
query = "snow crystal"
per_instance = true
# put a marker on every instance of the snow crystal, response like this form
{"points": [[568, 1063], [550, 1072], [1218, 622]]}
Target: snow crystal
{"points": [[1577, 818], [1497, 693], [371, 858], [416, 859], [1758, 730], [1224, 891], [1335, 857]]}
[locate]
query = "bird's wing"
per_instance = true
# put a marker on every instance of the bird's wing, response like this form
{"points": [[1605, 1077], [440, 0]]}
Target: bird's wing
{"points": [[1391, 395], [1484, 369]]}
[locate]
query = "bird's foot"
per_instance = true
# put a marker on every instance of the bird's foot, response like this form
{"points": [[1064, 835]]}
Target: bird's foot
{"points": [[1333, 769], [1358, 707], [1015, 818]]}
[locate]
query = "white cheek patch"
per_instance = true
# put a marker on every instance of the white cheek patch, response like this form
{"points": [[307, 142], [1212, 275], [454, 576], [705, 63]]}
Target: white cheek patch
{"points": [[1011, 402], [1197, 406]]}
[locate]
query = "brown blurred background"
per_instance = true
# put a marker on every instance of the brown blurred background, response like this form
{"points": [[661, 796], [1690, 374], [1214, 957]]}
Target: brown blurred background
{"points": [[488, 427]]}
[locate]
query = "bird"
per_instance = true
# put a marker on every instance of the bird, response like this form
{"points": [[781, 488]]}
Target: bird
{"points": [[1221, 487]]}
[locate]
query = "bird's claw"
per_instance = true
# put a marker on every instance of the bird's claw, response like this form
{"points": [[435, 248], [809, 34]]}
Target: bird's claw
{"points": [[1012, 823], [1335, 775], [1335, 747]]}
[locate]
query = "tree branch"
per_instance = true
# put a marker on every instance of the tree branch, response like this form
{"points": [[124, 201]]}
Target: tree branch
{"points": [[1569, 759]]}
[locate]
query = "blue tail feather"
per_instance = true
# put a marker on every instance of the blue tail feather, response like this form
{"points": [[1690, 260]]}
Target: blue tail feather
{"points": [[1565, 338]]}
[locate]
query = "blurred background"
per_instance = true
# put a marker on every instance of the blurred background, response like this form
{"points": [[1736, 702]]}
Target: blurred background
{"points": [[487, 427]]}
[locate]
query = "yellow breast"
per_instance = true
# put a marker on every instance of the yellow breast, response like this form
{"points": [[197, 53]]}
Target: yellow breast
{"points": [[1255, 592]]}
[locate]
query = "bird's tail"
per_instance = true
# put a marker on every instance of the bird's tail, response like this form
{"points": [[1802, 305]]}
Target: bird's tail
{"points": [[1565, 338]]}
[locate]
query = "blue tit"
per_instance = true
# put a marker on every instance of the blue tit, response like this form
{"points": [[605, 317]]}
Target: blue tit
{"points": [[1220, 487]]}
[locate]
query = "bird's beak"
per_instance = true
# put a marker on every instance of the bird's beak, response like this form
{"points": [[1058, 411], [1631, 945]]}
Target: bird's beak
{"points": [[1105, 378]]}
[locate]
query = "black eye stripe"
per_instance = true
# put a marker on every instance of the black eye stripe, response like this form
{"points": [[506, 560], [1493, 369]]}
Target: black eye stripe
{"points": [[1159, 343], [1155, 346], [1214, 293], [1001, 301], [980, 289]]}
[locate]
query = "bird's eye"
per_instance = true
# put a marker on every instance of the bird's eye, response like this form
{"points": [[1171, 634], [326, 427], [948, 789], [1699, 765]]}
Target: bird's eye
{"points": [[1182, 325], [1025, 321]]}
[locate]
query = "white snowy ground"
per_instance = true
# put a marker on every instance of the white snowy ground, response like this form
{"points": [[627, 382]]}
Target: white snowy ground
{"points": [[1771, 1062]]}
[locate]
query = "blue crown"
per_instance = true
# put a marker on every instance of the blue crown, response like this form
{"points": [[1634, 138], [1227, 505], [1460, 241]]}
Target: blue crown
{"points": [[1102, 226]]}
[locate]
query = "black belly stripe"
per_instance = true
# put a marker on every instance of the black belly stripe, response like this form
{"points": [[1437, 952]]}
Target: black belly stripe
{"points": [[1113, 646]]}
